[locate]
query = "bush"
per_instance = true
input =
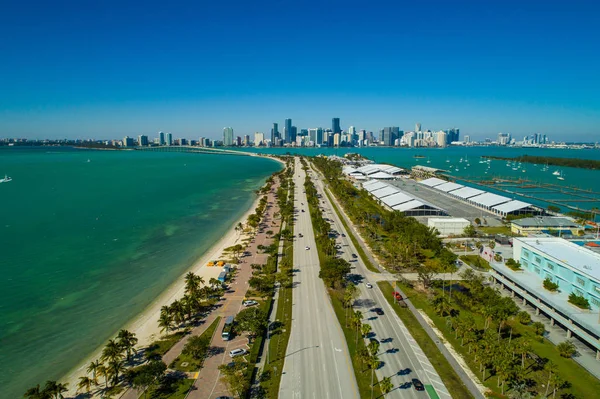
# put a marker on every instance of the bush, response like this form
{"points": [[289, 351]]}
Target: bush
{"points": [[516, 266], [538, 328], [566, 349], [549, 285], [524, 317], [579, 301]]}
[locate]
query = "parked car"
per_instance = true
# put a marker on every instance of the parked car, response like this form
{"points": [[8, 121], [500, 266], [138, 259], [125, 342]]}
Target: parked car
{"points": [[354, 256], [300, 235], [379, 311], [249, 303], [307, 248], [238, 352], [343, 235], [418, 384], [368, 285]]}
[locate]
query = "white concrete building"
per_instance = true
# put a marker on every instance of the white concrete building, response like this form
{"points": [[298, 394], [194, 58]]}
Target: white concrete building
{"points": [[448, 226]]}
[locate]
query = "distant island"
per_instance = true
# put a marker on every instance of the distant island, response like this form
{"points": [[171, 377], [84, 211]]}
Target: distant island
{"points": [[567, 162]]}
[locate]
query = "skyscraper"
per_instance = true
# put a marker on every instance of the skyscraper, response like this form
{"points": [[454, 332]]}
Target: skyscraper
{"points": [[287, 131], [274, 133], [293, 134], [142, 140], [169, 139], [441, 138], [246, 140], [227, 136], [161, 138], [259, 138], [417, 127], [335, 126]]}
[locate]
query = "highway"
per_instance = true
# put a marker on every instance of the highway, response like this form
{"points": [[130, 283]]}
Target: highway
{"points": [[317, 363], [402, 357]]}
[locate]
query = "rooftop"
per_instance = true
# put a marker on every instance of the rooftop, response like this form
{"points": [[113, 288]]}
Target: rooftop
{"points": [[433, 181], [467, 192], [512, 206], [545, 221], [489, 199], [583, 260]]}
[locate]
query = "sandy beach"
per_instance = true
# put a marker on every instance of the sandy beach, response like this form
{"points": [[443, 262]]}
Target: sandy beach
{"points": [[145, 325]]}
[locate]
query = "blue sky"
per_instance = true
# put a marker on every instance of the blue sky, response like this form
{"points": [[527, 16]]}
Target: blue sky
{"points": [[72, 69]]}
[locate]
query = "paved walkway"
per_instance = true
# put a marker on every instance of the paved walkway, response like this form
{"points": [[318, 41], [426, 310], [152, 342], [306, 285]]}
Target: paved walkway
{"points": [[208, 385]]}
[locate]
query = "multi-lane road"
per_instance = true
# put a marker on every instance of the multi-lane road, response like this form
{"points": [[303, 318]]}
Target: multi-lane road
{"points": [[402, 358], [317, 363]]}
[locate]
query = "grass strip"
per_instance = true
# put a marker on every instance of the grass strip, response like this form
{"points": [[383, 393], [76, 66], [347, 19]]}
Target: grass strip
{"points": [[446, 372], [157, 349], [195, 364], [476, 261], [359, 248], [178, 390]]}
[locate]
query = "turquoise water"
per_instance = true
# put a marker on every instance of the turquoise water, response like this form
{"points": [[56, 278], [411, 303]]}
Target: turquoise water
{"points": [[88, 245], [404, 157]]}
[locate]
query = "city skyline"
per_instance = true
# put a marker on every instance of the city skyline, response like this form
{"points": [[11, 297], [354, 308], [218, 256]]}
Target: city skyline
{"points": [[497, 68]]}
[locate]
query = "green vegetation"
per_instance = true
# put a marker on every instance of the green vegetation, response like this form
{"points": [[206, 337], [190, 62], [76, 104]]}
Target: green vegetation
{"points": [[157, 349], [549, 285], [334, 271], [493, 230], [513, 265], [487, 331], [554, 161], [170, 388], [441, 365], [579, 301], [195, 350], [476, 261], [469, 231], [566, 349], [358, 247]]}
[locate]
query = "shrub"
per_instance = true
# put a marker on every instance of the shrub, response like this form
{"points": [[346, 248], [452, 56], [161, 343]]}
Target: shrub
{"points": [[538, 328], [524, 317], [566, 349], [516, 266], [579, 301], [549, 285]]}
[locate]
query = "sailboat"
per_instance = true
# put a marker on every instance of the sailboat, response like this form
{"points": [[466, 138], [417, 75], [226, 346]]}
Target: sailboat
{"points": [[428, 161], [6, 179], [447, 159], [560, 177], [556, 173]]}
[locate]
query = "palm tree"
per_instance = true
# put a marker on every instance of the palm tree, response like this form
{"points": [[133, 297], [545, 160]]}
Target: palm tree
{"points": [[165, 321], [85, 384], [357, 322], [523, 348], [373, 347], [55, 389], [557, 383], [112, 351], [33, 393], [386, 385], [365, 329], [93, 368], [127, 341], [115, 368], [373, 364], [551, 368], [103, 371]]}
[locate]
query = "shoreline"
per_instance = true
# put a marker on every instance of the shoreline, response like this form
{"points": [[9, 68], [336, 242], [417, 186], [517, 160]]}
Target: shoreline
{"points": [[145, 324]]}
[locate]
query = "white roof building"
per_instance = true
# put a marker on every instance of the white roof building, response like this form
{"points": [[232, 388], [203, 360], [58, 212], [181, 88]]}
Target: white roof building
{"points": [[396, 199], [466, 192], [384, 192], [488, 200], [449, 186], [376, 186], [512, 207], [432, 182]]}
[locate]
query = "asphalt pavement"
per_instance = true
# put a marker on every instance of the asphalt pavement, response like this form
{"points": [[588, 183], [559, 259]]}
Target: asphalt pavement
{"points": [[317, 363], [402, 358]]}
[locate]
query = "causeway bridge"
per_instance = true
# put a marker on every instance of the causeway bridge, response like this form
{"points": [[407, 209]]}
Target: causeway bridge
{"points": [[194, 149]]}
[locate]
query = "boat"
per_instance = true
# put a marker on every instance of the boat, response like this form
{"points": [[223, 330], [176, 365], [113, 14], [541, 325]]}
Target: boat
{"points": [[556, 173], [89, 160], [560, 177], [447, 160], [6, 179], [428, 161], [419, 156]]}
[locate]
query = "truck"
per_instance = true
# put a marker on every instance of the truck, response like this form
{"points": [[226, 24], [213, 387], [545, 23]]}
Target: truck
{"points": [[222, 277], [399, 299], [227, 268]]}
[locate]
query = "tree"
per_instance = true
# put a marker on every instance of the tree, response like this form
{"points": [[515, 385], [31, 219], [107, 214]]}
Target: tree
{"points": [[54, 390], [85, 384], [114, 369], [492, 244], [551, 368], [538, 328], [442, 305], [147, 375], [127, 341], [253, 321], [373, 347], [373, 365], [523, 347], [524, 317], [165, 321], [233, 377], [93, 369], [365, 329], [469, 231], [566, 349], [197, 346], [356, 321], [35, 393], [386, 385]]}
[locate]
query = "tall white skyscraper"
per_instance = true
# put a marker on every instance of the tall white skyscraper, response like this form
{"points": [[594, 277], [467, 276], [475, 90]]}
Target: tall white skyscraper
{"points": [[417, 127], [258, 139], [169, 139], [227, 136], [441, 139]]}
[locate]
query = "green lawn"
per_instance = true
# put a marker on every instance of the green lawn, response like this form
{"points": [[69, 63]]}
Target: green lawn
{"points": [[177, 390], [358, 247], [439, 362], [159, 348], [363, 375], [476, 261], [496, 230], [194, 364], [583, 384]]}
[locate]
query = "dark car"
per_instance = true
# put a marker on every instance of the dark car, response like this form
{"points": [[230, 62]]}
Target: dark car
{"points": [[354, 256], [379, 311], [418, 384], [343, 235]]}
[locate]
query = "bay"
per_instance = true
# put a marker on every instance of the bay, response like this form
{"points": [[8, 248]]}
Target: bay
{"points": [[90, 238]]}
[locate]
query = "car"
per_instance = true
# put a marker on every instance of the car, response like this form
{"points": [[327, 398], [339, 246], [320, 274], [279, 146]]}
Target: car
{"points": [[302, 210], [249, 303], [238, 352], [343, 235], [418, 384], [368, 285], [300, 235], [379, 311], [354, 256], [307, 248]]}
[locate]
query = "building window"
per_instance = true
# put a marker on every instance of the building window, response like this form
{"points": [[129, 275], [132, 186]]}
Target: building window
{"points": [[526, 264], [597, 289], [538, 260], [595, 301], [526, 254], [550, 265], [580, 281], [537, 270]]}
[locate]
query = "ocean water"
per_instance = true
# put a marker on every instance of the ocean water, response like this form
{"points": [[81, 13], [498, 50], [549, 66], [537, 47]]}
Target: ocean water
{"points": [[88, 239], [449, 159]]}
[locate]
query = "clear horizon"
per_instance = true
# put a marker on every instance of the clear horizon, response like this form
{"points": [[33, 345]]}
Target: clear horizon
{"points": [[74, 70]]}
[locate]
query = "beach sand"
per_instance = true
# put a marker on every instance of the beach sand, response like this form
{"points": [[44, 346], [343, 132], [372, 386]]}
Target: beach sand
{"points": [[145, 325]]}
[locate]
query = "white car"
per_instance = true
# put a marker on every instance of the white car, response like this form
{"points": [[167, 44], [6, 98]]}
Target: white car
{"points": [[249, 303], [238, 352], [307, 248], [368, 285]]}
